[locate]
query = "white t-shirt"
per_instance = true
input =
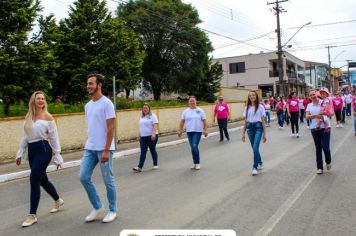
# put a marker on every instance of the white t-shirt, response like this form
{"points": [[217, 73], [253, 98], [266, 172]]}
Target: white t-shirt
{"points": [[96, 114], [314, 109], [301, 105], [193, 119], [348, 98], [253, 116], [267, 107], [146, 124]]}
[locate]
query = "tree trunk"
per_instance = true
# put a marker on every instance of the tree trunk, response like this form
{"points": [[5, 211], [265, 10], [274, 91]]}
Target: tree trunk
{"points": [[156, 94], [127, 91]]}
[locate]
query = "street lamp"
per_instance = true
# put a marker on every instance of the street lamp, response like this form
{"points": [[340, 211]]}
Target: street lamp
{"points": [[280, 52]]}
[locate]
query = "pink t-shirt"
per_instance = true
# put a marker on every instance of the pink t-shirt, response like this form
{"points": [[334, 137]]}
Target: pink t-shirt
{"points": [[337, 102], [293, 104], [280, 105], [222, 111], [354, 101]]}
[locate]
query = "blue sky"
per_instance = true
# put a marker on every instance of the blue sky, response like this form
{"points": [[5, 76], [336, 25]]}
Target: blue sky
{"points": [[233, 21]]}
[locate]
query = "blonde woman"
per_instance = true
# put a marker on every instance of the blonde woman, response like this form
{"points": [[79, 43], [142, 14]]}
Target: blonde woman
{"points": [[41, 140]]}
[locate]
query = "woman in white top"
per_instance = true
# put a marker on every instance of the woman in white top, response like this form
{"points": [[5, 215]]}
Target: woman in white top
{"points": [[41, 140], [255, 125], [148, 136], [195, 125], [320, 137]]}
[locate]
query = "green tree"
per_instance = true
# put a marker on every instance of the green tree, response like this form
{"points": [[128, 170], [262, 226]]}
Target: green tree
{"points": [[24, 61], [91, 41], [176, 49]]}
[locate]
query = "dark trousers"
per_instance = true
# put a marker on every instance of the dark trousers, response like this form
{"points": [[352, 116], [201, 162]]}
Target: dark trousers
{"points": [[338, 115], [294, 121], [322, 143], [145, 143], [223, 129], [40, 155], [280, 116], [302, 113], [348, 109], [343, 115], [286, 117], [194, 139]]}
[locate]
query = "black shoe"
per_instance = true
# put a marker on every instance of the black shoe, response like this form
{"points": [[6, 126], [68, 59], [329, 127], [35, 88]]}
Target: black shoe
{"points": [[221, 140]]}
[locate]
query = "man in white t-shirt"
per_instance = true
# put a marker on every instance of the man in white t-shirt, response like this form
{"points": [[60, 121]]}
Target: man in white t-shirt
{"points": [[348, 100], [99, 148]]}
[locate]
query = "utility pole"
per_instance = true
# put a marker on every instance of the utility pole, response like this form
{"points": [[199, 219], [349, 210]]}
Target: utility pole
{"points": [[278, 9], [331, 77], [348, 72]]}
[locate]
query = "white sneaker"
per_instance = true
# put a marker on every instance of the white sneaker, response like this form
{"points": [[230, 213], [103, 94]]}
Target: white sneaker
{"points": [[308, 127], [197, 166], [110, 216], [292, 135], [30, 220], [319, 172], [57, 205], [280, 127], [297, 135], [93, 215], [155, 167], [341, 126], [254, 172], [260, 167]]}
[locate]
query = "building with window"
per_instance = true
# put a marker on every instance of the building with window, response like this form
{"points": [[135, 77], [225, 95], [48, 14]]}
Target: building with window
{"points": [[316, 74], [260, 71]]}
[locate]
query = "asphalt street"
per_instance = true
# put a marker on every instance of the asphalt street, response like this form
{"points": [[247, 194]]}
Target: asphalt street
{"points": [[286, 198]]}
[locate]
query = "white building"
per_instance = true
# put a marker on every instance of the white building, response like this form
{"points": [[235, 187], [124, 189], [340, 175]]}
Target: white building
{"points": [[260, 71], [316, 74]]}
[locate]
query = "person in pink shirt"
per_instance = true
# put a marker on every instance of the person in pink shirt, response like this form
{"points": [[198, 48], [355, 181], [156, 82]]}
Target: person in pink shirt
{"points": [[354, 108], [222, 114], [280, 112], [338, 104], [327, 109], [293, 113]]}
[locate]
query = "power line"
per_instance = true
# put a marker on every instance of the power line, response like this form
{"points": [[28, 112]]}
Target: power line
{"points": [[325, 24]]}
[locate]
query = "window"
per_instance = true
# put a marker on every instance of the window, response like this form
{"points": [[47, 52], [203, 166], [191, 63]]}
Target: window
{"points": [[238, 67]]}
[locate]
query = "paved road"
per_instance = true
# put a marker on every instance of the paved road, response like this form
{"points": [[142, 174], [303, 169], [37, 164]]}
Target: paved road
{"points": [[287, 198]]}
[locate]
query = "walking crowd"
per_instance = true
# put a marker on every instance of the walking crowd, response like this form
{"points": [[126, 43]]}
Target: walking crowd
{"points": [[41, 143]]}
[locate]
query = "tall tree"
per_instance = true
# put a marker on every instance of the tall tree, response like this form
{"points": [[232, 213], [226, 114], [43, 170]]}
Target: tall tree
{"points": [[176, 49], [23, 61]]}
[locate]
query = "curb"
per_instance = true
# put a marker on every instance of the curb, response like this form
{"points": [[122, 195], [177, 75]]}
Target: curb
{"points": [[70, 164]]}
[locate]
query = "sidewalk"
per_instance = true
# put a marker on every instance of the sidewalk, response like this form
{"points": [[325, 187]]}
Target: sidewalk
{"points": [[124, 146]]}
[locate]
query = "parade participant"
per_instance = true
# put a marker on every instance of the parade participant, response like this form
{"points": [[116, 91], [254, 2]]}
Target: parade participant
{"points": [[254, 124], [320, 137], [327, 109], [354, 110], [41, 140], [301, 108], [148, 136], [222, 114], [194, 119], [306, 101], [338, 104], [348, 101], [268, 112], [280, 112], [343, 113], [99, 148], [293, 113]]}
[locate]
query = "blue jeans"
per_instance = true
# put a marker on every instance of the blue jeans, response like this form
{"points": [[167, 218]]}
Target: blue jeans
{"points": [[343, 115], [348, 109], [89, 161], [194, 139], [254, 132], [39, 156], [145, 143], [268, 117], [280, 116], [322, 143]]}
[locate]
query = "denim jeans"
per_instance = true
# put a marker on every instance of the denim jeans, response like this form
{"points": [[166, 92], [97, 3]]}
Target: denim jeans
{"points": [[322, 143], [222, 123], [348, 109], [39, 156], [145, 143], [194, 139], [254, 132], [268, 117], [343, 115], [90, 159], [280, 116]]}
